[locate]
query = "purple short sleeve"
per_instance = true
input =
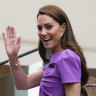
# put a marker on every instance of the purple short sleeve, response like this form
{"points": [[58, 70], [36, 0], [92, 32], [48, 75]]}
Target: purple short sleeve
{"points": [[69, 67]]}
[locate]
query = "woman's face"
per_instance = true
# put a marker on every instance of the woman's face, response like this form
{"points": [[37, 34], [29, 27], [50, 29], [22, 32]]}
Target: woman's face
{"points": [[49, 32]]}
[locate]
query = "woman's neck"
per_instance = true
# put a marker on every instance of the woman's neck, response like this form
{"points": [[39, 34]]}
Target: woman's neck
{"points": [[56, 50]]}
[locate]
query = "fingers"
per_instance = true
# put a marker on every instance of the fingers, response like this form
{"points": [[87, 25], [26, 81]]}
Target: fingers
{"points": [[13, 32], [10, 32]]}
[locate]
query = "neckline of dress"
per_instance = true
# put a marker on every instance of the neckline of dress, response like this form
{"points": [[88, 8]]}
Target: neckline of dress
{"points": [[57, 53]]}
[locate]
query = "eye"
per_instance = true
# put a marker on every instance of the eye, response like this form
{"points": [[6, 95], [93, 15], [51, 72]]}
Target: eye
{"points": [[39, 28], [48, 27]]}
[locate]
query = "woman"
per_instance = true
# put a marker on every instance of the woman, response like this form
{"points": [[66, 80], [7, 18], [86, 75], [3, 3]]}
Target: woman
{"points": [[65, 72]]}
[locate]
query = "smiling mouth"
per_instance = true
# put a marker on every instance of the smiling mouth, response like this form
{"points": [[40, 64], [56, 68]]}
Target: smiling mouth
{"points": [[47, 39]]}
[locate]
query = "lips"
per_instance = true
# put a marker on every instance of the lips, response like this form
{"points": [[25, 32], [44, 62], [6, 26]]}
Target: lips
{"points": [[47, 39]]}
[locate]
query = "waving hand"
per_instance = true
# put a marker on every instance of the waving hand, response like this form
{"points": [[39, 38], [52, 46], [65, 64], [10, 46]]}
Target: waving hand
{"points": [[12, 42]]}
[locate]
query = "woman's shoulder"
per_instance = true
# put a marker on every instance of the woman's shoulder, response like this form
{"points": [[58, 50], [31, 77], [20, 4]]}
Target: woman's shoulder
{"points": [[69, 58], [68, 53]]}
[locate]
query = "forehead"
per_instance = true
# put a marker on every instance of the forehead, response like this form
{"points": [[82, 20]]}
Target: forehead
{"points": [[44, 19]]}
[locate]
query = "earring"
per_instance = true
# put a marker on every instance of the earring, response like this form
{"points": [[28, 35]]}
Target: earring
{"points": [[61, 34]]}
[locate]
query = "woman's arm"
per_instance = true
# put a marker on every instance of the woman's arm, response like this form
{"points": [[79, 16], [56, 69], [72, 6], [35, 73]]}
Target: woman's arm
{"points": [[23, 82], [72, 89], [12, 46]]}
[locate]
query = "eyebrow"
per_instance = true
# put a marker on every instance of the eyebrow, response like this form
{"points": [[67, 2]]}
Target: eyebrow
{"points": [[46, 24]]}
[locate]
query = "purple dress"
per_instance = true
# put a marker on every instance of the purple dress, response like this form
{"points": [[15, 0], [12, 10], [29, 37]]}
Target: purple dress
{"points": [[63, 67]]}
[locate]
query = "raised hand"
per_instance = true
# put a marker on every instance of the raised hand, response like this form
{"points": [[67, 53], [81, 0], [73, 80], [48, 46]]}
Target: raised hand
{"points": [[12, 42]]}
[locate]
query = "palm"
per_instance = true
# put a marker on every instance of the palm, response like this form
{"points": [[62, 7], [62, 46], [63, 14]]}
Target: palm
{"points": [[11, 46], [12, 43]]}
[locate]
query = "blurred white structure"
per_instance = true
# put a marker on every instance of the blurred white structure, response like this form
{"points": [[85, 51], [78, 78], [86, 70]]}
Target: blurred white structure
{"points": [[34, 68]]}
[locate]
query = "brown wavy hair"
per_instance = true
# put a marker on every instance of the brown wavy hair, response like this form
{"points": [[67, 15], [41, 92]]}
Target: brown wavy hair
{"points": [[68, 40]]}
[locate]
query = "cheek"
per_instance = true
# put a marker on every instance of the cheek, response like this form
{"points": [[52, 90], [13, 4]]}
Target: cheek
{"points": [[39, 34], [55, 34]]}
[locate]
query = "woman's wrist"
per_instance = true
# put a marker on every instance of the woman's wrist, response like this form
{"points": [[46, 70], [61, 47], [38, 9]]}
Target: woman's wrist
{"points": [[14, 66], [13, 60], [14, 63]]}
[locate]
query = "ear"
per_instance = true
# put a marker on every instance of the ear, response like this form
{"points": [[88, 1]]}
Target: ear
{"points": [[63, 27]]}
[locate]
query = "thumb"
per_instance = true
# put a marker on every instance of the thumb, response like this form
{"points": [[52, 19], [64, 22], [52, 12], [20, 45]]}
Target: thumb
{"points": [[19, 40], [3, 36]]}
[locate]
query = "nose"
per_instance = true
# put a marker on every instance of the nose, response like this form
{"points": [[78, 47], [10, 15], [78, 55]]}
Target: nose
{"points": [[44, 31]]}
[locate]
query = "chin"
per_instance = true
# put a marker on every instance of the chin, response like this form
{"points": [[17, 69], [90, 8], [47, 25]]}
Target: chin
{"points": [[48, 47]]}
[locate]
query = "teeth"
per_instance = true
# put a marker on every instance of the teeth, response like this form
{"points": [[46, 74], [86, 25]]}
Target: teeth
{"points": [[47, 38]]}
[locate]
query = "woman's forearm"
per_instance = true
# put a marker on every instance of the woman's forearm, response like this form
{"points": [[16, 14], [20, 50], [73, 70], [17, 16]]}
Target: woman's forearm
{"points": [[19, 77], [23, 81]]}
